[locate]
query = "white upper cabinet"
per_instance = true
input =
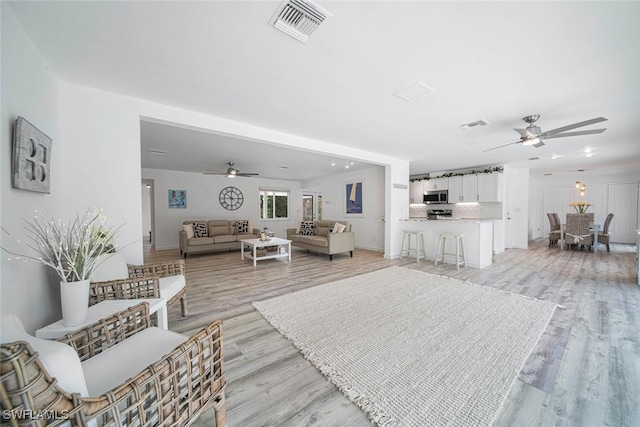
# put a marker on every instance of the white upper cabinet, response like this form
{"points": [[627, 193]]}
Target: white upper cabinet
{"points": [[470, 188], [489, 188], [436, 184], [455, 189], [416, 192]]}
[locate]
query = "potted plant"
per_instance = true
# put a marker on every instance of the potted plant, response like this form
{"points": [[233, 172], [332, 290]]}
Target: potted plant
{"points": [[580, 207], [72, 250]]}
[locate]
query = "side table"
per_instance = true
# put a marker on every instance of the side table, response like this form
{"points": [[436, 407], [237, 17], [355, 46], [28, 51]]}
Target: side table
{"points": [[105, 309]]}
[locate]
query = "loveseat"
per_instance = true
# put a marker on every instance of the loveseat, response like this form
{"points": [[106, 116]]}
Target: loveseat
{"points": [[214, 235], [326, 237]]}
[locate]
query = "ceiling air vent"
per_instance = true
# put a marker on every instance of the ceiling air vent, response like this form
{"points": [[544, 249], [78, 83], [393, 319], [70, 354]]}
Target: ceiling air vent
{"points": [[298, 18], [481, 122]]}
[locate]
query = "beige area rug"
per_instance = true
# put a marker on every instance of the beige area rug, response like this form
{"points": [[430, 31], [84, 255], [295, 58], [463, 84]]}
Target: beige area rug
{"points": [[412, 348]]}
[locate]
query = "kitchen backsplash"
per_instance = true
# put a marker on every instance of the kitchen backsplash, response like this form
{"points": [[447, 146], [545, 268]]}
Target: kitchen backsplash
{"points": [[479, 211]]}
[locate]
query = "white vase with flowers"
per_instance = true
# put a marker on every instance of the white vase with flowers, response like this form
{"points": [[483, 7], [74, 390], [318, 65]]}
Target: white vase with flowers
{"points": [[72, 250]]}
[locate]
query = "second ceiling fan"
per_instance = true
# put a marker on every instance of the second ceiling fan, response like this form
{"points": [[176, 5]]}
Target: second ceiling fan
{"points": [[533, 135], [231, 172]]}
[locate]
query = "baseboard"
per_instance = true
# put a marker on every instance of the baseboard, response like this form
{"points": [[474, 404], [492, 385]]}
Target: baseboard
{"points": [[166, 248], [369, 248]]}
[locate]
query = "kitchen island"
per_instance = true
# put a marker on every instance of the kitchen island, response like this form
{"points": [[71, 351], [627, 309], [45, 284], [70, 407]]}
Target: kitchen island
{"points": [[478, 240]]}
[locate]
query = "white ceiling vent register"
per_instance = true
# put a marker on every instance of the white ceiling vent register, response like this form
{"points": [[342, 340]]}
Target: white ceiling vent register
{"points": [[481, 122], [414, 91], [298, 18]]}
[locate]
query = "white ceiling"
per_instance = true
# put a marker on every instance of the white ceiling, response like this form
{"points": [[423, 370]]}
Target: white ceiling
{"points": [[500, 61]]}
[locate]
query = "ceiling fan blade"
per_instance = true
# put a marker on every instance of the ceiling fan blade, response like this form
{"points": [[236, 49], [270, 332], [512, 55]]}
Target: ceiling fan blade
{"points": [[539, 144], [578, 133], [246, 174], [573, 126], [500, 146], [483, 142], [214, 173]]}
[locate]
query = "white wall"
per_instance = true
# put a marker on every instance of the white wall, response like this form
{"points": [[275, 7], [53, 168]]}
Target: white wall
{"points": [[369, 230], [202, 202], [30, 90]]}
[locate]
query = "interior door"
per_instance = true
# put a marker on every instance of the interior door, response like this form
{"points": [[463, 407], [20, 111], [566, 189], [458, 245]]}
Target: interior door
{"points": [[311, 206]]}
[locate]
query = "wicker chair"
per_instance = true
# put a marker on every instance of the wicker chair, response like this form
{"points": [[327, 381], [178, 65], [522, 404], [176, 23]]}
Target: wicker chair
{"points": [[554, 229], [172, 391], [577, 231], [115, 279], [605, 235]]}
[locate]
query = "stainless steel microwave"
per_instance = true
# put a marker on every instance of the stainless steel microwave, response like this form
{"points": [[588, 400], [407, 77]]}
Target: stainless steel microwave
{"points": [[436, 197]]}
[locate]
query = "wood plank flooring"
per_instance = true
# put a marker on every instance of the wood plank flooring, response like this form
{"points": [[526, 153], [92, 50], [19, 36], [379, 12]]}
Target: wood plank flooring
{"points": [[584, 371]]}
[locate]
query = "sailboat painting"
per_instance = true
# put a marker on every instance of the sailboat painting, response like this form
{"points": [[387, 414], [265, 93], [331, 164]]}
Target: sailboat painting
{"points": [[353, 198]]}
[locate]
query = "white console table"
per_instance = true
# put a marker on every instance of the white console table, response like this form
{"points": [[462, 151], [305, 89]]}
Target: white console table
{"points": [[105, 309]]}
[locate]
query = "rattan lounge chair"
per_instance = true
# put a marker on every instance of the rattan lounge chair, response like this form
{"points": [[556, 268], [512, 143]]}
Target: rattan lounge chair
{"points": [[170, 390], [115, 279]]}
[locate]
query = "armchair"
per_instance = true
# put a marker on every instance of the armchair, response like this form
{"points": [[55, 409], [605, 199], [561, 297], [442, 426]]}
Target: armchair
{"points": [[117, 372], [115, 279]]}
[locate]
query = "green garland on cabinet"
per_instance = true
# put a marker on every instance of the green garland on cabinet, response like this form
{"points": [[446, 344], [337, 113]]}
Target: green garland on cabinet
{"points": [[496, 169]]}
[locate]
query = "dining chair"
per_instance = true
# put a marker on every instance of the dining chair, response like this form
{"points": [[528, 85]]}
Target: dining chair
{"points": [[577, 231], [605, 235], [554, 229]]}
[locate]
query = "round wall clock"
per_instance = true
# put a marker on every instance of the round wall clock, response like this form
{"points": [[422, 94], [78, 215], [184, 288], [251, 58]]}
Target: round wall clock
{"points": [[231, 198]]}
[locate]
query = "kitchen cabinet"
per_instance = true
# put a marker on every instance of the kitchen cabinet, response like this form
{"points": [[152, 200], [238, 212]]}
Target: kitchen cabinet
{"points": [[470, 188], [416, 192], [489, 187], [436, 184], [455, 189]]}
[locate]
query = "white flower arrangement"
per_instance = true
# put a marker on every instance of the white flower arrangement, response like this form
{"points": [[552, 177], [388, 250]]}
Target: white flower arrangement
{"points": [[71, 249]]}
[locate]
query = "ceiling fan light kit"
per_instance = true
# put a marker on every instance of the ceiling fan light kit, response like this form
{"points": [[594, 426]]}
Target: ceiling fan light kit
{"points": [[533, 135]]}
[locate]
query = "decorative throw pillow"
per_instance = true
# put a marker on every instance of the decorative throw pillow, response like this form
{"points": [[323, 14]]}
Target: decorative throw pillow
{"points": [[242, 227], [306, 228], [338, 228], [199, 229], [188, 228]]}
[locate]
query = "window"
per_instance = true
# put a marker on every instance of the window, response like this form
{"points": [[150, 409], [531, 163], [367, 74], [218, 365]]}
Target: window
{"points": [[274, 204]]}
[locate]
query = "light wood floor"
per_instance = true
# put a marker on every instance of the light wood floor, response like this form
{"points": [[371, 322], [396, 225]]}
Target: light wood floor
{"points": [[584, 371]]}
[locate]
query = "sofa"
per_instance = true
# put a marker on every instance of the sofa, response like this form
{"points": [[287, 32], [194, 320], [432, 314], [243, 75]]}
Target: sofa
{"points": [[214, 235], [326, 237]]}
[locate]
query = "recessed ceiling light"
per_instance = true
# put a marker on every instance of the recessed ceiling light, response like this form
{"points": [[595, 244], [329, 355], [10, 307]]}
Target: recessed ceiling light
{"points": [[157, 151], [283, 167], [589, 154], [555, 156], [587, 150], [346, 167], [414, 91], [351, 163], [333, 164]]}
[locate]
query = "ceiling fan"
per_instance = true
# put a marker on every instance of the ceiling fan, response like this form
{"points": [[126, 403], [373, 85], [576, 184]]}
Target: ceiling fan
{"points": [[231, 172], [533, 135]]}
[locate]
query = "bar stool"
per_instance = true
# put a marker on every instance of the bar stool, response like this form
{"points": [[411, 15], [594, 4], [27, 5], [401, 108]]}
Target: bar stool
{"points": [[406, 237], [442, 253]]}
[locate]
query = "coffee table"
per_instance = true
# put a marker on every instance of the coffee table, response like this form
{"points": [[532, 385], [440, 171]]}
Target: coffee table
{"points": [[284, 248]]}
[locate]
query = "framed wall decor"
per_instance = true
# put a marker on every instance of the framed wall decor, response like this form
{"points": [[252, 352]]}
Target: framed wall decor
{"points": [[178, 199], [354, 198], [31, 164]]}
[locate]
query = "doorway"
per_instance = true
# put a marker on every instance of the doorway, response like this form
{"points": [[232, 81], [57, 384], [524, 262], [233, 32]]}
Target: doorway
{"points": [[148, 238], [311, 206]]}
